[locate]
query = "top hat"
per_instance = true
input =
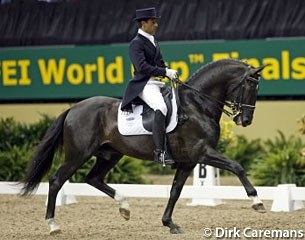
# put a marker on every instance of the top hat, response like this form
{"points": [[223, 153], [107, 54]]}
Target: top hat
{"points": [[145, 13]]}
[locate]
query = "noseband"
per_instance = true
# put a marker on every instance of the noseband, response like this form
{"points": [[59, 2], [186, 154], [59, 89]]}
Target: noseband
{"points": [[236, 105]]}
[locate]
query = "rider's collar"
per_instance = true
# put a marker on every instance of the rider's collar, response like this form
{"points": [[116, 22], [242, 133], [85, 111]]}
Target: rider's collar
{"points": [[151, 38]]}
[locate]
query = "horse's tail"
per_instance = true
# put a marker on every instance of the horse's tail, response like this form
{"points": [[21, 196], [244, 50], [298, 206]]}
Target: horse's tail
{"points": [[43, 157]]}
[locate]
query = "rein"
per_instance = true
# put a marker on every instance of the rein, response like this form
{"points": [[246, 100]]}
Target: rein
{"points": [[236, 106]]}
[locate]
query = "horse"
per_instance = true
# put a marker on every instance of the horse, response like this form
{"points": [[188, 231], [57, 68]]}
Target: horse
{"points": [[89, 128]]}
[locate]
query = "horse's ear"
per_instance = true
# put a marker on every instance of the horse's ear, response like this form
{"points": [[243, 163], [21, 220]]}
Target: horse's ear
{"points": [[257, 70]]}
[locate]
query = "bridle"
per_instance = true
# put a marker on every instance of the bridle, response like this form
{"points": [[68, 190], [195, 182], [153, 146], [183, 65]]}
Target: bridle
{"points": [[236, 105]]}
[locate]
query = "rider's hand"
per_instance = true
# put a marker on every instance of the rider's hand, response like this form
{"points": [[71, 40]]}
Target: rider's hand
{"points": [[171, 73]]}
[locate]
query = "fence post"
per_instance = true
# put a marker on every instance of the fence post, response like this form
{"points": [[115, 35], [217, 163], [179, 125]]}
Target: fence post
{"points": [[62, 198], [282, 201], [205, 175]]}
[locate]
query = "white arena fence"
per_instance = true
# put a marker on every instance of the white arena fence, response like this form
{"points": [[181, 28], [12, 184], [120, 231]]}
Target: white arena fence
{"points": [[286, 197], [206, 190]]}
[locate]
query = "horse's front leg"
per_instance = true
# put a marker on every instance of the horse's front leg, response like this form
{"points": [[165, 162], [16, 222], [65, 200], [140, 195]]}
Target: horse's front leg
{"points": [[178, 183], [215, 159]]}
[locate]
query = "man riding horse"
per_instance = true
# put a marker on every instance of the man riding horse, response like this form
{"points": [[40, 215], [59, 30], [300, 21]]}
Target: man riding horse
{"points": [[150, 68], [228, 82]]}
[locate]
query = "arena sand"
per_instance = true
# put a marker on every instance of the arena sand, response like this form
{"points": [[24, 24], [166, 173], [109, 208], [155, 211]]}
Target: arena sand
{"points": [[98, 218]]}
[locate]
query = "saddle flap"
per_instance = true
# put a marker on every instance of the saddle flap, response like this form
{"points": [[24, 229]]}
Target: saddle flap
{"points": [[149, 114], [140, 120]]}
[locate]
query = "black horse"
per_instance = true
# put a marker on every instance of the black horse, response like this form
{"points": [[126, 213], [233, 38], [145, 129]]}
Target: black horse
{"points": [[89, 128]]}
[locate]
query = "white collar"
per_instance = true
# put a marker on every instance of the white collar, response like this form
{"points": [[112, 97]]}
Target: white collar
{"points": [[148, 36]]}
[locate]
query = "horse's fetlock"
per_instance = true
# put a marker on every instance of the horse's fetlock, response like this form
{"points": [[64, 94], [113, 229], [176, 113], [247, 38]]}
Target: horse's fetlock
{"points": [[252, 194], [166, 221], [119, 197]]}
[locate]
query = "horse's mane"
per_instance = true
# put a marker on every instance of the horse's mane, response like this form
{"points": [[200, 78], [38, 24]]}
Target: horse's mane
{"points": [[210, 65]]}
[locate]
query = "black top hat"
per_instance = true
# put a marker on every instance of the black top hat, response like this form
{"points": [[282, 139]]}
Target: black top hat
{"points": [[145, 13]]}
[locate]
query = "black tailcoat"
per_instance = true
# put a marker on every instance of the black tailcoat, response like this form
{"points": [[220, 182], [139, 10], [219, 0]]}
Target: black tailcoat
{"points": [[147, 61]]}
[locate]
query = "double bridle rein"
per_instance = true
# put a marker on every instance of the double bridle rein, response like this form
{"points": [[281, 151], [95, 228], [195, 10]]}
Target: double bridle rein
{"points": [[236, 105]]}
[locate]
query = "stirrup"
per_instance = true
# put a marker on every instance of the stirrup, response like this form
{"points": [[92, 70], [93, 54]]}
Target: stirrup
{"points": [[162, 156]]}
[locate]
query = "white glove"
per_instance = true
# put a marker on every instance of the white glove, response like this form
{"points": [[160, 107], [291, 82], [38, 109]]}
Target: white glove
{"points": [[171, 73]]}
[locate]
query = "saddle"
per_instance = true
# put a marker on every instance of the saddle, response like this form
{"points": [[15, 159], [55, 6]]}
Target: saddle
{"points": [[140, 120], [148, 113]]}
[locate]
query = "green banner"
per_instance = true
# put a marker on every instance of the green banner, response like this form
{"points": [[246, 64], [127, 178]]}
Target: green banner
{"points": [[70, 72]]}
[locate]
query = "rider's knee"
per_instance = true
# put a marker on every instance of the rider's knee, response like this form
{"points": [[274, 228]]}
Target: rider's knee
{"points": [[161, 107]]}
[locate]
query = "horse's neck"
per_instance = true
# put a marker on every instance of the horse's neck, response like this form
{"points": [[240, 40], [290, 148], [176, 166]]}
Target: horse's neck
{"points": [[212, 83], [195, 102]]}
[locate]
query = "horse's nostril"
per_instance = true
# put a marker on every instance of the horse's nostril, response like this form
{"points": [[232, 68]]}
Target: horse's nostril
{"points": [[246, 122]]}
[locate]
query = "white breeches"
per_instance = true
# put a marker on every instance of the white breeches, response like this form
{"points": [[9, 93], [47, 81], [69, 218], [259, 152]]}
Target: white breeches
{"points": [[152, 96]]}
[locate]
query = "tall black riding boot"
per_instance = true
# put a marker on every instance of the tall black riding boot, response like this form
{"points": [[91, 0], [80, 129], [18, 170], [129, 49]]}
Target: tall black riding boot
{"points": [[161, 156]]}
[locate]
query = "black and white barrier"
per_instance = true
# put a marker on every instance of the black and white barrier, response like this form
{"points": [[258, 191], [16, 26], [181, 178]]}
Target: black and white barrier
{"points": [[205, 175]]}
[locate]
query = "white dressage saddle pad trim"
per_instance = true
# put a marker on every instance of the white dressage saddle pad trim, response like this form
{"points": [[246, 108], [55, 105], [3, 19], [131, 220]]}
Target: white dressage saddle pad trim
{"points": [[131, 124]]}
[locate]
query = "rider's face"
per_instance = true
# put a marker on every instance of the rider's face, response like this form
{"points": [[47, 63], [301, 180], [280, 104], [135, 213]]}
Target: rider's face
{"points": [[150, 26]]}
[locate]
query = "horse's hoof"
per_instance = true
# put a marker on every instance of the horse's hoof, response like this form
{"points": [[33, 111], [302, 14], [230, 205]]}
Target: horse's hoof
{"points": [[125, 213], [55, 231], [54, 227], [176, 230], [259, 207]]}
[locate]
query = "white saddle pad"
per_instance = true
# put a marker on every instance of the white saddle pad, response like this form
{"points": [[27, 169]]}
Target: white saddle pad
{"points": [[131, 124]]}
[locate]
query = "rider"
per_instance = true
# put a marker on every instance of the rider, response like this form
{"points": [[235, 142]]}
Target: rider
{"points": [[145, 55]]}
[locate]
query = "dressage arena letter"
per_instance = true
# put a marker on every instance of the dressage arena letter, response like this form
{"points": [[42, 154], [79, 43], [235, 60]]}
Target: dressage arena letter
{"points": [[11, 69]]}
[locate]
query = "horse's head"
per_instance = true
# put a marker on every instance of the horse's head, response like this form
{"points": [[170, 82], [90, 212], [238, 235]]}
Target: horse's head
{"points": [[228, 82], [245, 95]]}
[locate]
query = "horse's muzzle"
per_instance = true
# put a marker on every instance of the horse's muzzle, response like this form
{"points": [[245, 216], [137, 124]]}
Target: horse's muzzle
{"points": [[246, 120], [242, 120]]}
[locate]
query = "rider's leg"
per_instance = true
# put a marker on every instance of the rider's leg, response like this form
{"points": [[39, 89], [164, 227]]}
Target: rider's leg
{"points": [[159, 139], [152, 96]]}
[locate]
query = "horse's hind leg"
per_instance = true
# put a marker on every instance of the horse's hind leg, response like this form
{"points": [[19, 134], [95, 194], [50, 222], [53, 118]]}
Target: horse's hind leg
{"points": [[96, 179], [56, 181]]}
